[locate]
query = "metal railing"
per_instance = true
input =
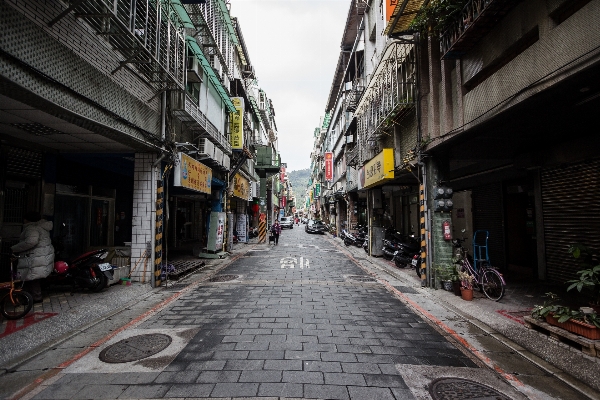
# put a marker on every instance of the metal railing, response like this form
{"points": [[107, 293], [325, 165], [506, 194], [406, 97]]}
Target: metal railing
{"points": [[390, 93], [475, 21], [147, 33]]}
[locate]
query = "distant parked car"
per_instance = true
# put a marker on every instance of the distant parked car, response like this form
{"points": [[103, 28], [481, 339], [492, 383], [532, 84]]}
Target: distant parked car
{"points": [[315, 226], [286, 222]]}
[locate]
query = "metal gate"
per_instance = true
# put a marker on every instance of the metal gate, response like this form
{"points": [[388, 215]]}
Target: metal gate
{"points": [[571, 210]]}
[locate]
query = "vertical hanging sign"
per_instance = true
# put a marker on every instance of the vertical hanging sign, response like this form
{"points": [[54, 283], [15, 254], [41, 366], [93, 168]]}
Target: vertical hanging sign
{"points": [[236, 121], [329, 166]]}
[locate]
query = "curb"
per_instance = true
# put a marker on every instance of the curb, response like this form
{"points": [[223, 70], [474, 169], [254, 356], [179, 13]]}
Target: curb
{"points": [[528, 355]]}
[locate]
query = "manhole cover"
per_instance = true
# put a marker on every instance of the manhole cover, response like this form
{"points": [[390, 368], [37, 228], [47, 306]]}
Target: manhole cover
{"points": [[461, 389], [135, 348], [361, 278], [223, 278]]}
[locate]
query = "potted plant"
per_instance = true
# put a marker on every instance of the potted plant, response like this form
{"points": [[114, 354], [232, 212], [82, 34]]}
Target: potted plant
{"points": [[466, 285], [584, 322], [443, 272], [455, 280], [589, 278]]}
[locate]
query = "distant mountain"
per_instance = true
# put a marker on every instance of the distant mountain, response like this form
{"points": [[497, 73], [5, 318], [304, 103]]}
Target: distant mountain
{"points": [[299, 180]]}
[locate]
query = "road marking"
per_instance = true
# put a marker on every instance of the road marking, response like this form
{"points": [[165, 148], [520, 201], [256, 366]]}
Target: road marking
{"points": [[290, 262]]}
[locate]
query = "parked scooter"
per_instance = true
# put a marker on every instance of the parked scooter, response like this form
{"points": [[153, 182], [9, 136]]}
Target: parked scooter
{"points": [[87, 271], [253, 232], [357, 239]]}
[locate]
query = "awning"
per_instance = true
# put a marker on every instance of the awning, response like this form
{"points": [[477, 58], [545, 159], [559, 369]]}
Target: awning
{"points": [[183, 15], [403, 15], [211, 74], [228, 23]]}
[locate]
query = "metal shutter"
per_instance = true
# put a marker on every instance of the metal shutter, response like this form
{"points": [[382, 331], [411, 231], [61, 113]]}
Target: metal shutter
{"points": [[571, 210], [23, 163], [488, 215]]}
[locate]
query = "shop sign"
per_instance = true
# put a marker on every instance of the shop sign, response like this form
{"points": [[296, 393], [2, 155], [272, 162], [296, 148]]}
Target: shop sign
{"points": [[283, 201], [329, 166], [241, 187], [377, 171], [282, 173], [240, 227], [236, 124], [192, 174], [317, 190], [390, 5], [216, 231]]}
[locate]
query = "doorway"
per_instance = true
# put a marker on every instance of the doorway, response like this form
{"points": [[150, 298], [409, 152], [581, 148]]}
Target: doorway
{"points": [[520, 230]]}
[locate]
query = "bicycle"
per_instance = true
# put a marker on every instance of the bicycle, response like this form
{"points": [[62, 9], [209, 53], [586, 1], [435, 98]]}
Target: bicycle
{"points": [[17, 302], [485, 277]]}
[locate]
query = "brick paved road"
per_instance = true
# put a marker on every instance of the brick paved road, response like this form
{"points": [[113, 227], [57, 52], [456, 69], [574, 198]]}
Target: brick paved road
{"points": [[291, 325]]}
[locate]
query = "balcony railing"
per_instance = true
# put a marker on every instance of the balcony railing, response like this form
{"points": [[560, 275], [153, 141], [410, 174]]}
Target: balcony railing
{"points": [[390, 94], [147, 33], [477, 18], [187, 111]]}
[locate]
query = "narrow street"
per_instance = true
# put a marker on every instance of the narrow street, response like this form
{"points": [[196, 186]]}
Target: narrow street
{"points": [[296, 320]]}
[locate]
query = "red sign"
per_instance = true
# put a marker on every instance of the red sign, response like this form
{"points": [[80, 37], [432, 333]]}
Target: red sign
{"points": [[329, 166], [282, 174], [283, 202]]}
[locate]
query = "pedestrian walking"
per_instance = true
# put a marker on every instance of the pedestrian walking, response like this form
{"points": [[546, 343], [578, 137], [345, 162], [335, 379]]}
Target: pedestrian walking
{"points": [[276, 230], [35, 247]]}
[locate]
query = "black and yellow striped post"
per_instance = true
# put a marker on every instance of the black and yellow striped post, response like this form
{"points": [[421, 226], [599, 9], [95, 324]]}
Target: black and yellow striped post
{"points": [[423, 259], [262, 228], [158, 232]]}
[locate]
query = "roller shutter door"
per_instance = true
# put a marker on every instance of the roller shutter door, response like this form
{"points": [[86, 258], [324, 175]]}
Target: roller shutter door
{"points": [[571, 210], [488, 215]]}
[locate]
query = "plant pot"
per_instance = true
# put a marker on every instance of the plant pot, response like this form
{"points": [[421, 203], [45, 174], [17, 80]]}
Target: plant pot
{"points": [[576, 327], [456, 288], [466, 294], [448, 285]]}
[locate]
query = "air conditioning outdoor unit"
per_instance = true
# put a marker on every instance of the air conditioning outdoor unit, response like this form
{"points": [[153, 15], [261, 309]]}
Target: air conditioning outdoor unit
{"points": [[226, 162], [194, 71], [218, 156], [206, 148]]}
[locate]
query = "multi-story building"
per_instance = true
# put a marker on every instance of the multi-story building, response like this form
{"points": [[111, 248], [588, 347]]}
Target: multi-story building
{"points": [[131, 122], [479, 101]]}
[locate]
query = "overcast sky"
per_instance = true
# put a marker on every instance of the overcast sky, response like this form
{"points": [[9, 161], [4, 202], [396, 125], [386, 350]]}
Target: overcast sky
{"points": [[294, 47]]}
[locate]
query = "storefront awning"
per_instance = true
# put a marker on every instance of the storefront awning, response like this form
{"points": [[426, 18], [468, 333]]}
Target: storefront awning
{"points": [[404, 13], [212, 77], [183, 15]]}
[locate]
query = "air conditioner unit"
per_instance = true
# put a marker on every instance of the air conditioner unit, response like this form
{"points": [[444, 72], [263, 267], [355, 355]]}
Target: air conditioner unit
{"points": [[262, 101], [194, 70], [226, 162], [218, 156], [347, 86], [206, 148]]}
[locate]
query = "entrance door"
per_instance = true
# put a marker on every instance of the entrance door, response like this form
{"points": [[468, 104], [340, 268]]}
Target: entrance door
{"points": [[520, 231]]}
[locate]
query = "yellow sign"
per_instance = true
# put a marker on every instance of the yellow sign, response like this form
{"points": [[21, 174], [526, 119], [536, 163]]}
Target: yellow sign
{"points": [[241, 187], [380, 169], [192, 174], [236, 124]]}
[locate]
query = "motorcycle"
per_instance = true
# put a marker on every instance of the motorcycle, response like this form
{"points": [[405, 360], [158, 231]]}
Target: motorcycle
{"points": [[253, 232], [357, 239], [87, 270]]}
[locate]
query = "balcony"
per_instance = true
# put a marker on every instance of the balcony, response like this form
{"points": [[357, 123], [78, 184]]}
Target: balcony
{"points": [[267, 161], [148, 34], [390, 95], [476, 20], [187, 111]]}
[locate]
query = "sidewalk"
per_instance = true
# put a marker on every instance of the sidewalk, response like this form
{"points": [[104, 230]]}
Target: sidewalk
{"points": [[502, 320], [62, 325]]}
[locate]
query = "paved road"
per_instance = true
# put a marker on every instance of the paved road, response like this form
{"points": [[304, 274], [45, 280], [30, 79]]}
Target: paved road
{"points": [[298, 320]]}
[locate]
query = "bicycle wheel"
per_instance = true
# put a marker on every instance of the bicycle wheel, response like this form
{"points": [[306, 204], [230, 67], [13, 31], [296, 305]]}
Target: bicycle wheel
{"points": [[492, 285], [17, 306]]}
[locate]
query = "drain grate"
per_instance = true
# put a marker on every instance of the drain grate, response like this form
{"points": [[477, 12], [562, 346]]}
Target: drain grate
{"points": [[361, 278], [462, 389], [406, 289], [135, 348], [223, 278]]}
